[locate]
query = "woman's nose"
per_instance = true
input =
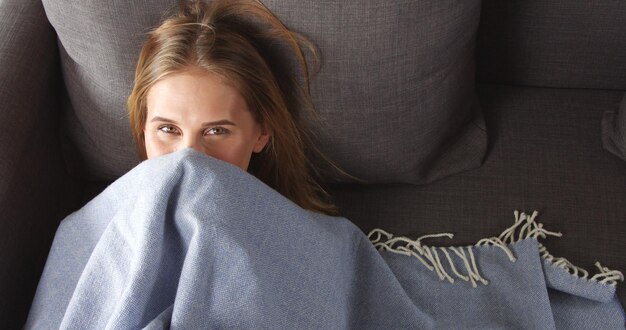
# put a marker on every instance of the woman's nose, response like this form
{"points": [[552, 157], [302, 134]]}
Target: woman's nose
{"points": [[193, 142]]}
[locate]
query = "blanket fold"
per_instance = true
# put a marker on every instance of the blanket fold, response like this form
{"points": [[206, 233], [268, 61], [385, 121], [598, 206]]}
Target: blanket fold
{"points": [[186, 241]]}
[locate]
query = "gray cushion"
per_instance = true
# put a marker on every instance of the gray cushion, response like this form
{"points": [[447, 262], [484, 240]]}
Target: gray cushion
{"points": [[396, 88], [614, 130], [558, 43], [100, 43]]}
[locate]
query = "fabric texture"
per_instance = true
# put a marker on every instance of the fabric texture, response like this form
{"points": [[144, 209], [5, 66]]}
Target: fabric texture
{"points": [[561, 43], [208, 245], [395, 92], [614, 130], [544, 155]]}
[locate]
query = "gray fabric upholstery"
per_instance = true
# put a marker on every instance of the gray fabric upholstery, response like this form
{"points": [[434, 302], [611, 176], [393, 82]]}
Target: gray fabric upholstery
{"points": [[543, 155], [564, 43], [100, 43], [614, 130], [31, 168], [397, 102]]}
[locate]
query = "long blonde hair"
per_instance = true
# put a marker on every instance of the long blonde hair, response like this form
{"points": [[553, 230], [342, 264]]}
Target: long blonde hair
{"points": [[244, 42]]}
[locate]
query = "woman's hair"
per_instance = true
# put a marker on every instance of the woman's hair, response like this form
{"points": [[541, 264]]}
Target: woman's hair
{"points": [[249, 46]]}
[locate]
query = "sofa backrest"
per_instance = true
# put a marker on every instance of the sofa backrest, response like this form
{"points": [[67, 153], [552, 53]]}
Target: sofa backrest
{"points": [[395, 92], [559, 43]]}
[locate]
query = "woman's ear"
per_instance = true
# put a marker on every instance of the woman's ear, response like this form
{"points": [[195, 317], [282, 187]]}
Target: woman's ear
{"points": [[262, 141]]}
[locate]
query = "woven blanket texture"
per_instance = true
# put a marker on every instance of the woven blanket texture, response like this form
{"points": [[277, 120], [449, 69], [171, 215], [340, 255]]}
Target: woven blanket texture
{"points": [[186, 241]]}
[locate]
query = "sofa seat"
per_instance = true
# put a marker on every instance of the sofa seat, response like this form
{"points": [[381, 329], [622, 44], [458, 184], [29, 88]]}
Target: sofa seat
{"points": [[545, 153]]}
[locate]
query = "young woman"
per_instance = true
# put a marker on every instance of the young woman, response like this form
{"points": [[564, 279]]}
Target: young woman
{"points": [[217, 78]]}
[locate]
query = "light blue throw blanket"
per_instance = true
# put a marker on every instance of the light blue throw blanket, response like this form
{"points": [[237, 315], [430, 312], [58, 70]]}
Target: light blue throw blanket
{"points": [[186, 241]]}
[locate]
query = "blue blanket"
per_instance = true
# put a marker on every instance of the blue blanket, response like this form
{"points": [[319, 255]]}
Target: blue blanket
{"points": [[187, 241]]}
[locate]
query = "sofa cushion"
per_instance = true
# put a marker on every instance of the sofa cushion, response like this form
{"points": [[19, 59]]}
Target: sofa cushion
{"points": [[614, 130], [395, 92]]}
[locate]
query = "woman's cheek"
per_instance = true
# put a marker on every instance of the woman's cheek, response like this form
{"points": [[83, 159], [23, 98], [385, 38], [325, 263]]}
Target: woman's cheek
{"points": [[156, 147], [224, 150]]}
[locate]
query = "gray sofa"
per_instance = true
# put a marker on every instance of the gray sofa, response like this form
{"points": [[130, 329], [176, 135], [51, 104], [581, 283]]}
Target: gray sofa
{"points": [[453, 113]]}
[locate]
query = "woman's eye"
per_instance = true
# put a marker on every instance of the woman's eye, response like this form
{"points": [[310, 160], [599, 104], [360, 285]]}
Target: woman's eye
{"points": [[216, 131], [167, 129]]}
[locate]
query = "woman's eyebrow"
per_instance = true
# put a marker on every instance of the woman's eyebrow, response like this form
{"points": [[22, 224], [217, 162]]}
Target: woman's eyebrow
{"points": [[157, 118], [210, 123], [219, 122]]}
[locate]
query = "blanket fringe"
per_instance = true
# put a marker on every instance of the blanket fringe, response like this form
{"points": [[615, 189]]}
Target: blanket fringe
{"points": [[524, 227]]}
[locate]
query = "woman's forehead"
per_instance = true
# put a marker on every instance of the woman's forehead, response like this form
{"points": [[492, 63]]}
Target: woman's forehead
{"points": [[201, 93]]}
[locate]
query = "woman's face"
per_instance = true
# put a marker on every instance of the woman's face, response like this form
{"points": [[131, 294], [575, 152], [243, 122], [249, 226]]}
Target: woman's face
{"points": [[200, 110]]}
